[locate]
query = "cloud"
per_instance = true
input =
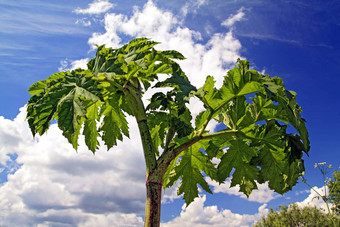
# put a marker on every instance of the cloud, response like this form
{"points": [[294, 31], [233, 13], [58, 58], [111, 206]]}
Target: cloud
{"points": [[170, 194], [82, 63], [124, 220], [192, 6], [97, 7], [84, 21], [262, 195], [314, 199], [234, 18], [66, 64], [199, 215], [56, 183]]}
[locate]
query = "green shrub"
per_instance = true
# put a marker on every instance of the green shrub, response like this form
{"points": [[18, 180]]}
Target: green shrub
{"points": [[293, 215]]}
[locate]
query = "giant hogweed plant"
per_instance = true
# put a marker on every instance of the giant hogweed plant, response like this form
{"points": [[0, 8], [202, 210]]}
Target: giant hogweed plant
{"points": [[256, 111]]}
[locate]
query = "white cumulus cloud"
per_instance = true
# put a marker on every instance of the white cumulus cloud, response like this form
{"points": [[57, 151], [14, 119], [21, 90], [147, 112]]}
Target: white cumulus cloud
{"points": [[199, 215], [314, 199], [97, 7], [56, 183]]}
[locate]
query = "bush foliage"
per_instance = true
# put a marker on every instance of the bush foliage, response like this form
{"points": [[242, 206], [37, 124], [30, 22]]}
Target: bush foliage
{"points": [[293, 215]]}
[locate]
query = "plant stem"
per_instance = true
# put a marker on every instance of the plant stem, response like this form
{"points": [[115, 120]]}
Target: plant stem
{"points": [[148, 148], [154, 175], [153, 203], [134, 100], [219, 133]]}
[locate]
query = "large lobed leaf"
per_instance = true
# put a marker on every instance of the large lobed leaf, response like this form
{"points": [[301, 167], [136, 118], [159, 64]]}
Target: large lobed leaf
{"points": [[66, 97], [114, 124], [189, 169]]}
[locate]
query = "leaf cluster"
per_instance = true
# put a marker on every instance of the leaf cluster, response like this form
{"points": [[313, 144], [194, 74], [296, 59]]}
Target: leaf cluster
{"points": [[102, 93], [293, 215], [255, 111], [334, 193]]}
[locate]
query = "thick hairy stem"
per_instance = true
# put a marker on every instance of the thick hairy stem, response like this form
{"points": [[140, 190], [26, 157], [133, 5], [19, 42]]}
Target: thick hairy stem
{"points": [[153, 178], [154, 184], [153, 202], [149, 153], [220, 133]]}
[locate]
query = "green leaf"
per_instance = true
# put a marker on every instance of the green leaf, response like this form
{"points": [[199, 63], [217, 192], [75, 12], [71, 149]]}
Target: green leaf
{"points": [[208, 93], [70, 115], [238, 157], [179, 81], [158, 100], [105, 61], [237, 153], [169, 177], [63, 101], [213, 150], [188, 186], [157, 135], [191, 163], [173, 54], [293, 170], [245, 176], [239, 81], [139, 60], [182, 128], [42, 108], [72, 109], [42, 85], [201, 118], [159, 124], [234, 114], [289, 110], [90, 126], [259, 140], [182, 124], [272, 157], [114, 123]]}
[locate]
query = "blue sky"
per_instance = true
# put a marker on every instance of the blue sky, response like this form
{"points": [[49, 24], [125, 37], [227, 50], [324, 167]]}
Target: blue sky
{"points": [[43, 182]]}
